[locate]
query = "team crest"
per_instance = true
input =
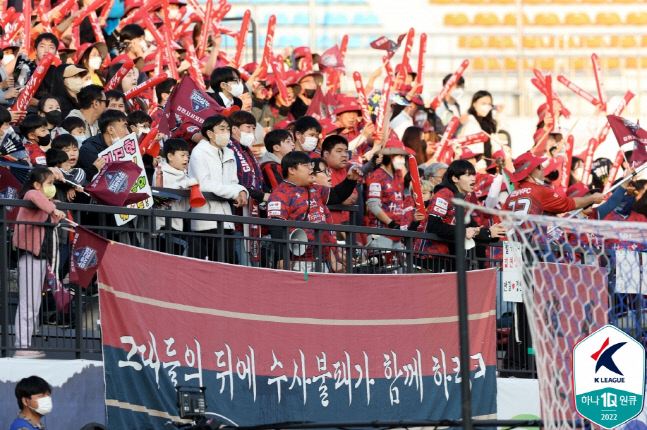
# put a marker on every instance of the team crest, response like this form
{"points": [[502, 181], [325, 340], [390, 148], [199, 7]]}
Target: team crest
{"points": [[198, 102], [85, 258], [117, 181], [631, 126], [9, 193]]}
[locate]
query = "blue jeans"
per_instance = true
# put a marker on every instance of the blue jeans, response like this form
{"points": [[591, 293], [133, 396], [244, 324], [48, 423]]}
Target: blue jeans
{"points": [[243, 256]]}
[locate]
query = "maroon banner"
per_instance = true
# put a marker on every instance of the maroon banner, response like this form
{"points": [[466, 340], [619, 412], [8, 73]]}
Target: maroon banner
{"points": [[332, 58], [9, 189], [626, 132], [113, 184], [189, 102], [386, 44], [330, 348], [88, 249]]}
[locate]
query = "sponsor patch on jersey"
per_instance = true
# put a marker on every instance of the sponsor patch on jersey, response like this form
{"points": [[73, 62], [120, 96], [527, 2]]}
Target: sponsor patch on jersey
{"points": [[273, 206], [274, 213], [440, 210], [442, 203], [375, 187], [192, 129]]}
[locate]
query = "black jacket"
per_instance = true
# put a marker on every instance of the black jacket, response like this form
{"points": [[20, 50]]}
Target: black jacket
{"points": [[445, 231], [216, 96], [90, 150]]}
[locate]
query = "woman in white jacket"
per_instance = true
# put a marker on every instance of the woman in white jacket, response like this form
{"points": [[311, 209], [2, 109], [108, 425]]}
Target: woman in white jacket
{"points": [[214, 166]]}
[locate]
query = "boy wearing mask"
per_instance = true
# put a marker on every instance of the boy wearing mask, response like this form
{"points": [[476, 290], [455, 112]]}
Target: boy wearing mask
{"points": [[37, 138], [34, 396]]}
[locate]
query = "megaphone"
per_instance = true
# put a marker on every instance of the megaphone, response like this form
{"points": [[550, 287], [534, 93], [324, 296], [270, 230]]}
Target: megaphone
{"points": [[298, 249], [197, 200]]}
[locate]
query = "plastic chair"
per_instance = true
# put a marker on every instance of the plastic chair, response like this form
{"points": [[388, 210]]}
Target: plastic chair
{"points": [[546, 19], [462, 42], [366, 19], [488, 19], [475, 42], [500, 42], [624, 1], [610, 63], [534, 1], [595, 1], [478, 63], [564, 1], [577, 19], [334, 20], [511, 19], [628, 42], [502, 1], [608, 18], [593, 42], [443, 1], [456, 19], [579, 63], [301, 19], [281, 19], [637, 18], [643, 41], [530, 42], [473, 1], [510, 64], [545, 63], [355, 42], [632, 63]]}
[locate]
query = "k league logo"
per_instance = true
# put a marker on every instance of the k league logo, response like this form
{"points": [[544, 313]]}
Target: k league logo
{"points": [[117, 181], [609, 377]]}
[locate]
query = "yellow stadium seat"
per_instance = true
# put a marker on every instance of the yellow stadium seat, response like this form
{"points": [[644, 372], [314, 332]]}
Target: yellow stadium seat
{"points": [[534, 1], [489, 63], [564, 1], [624, 1], [628, 42], [530, 42], [595, 1], [478, 64], [637, 18], [608, 18], [632, 63], [475, 42], [545, 63], [500, 42], [462, 42], [593, 42], [577, 19], [546, 19], [511, 19], [456, 19], [610, 63], [510, 63], [579, 63], [488, 19], [493, 64], [546, 41], [502, 1], [474, 1], [442, 1], [643, 41]]}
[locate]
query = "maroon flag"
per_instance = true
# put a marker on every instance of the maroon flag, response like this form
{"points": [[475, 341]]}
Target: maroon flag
{"points": [[9, 189], [190, 103], [321, 106], [626, 132], [87, 251], [113, 184], [62, 295], [386, 44], [332, 58]]}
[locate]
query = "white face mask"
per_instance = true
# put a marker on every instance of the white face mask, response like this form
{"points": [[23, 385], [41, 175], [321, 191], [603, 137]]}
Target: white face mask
{"points": [[148, 36], [237, 89], [95, 63], [247, 139], [80, 140], [74, 84], [174, 13], [222, 140], [44, 405], [144, 45], [483, 110], [87, 83], [457, 94], [398, 163], [481, 165], [114, 139], [310, 143], [8, 59]]}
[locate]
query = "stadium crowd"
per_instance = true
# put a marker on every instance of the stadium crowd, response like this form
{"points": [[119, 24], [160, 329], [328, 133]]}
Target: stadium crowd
{"points": [[282, 145]]}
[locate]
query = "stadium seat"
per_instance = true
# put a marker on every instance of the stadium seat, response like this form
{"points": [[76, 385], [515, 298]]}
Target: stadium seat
{"points": [[301, 19], [593, 42], [325, 41], [625, 1], [534, 1], [546, 41], [443, 1], [510, 63], [488, 19], [294, 1], [456, 19], [500, 42], [502, 1], [610, 63], [546, 19], [637, 18], [564, 1], [334, 20], [643, 41], [511, 19], [281, 19], [490, 63], [530, 42], [632, 63], [595, 1], [608, 18], [474, 1], [355, 1], [577, 19], [623, 42], [473, 42], [579, 63], [366, 19], [545, 63], [355, 42]]}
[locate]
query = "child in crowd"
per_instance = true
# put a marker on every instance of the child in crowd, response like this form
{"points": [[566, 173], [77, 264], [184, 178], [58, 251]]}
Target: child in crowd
{"points": [[74, 126], [174, 175], [36, 245], [37, 138], [69, 145]]}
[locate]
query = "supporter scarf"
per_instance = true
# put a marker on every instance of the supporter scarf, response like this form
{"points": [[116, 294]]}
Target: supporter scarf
{"points": [[249, 172]]}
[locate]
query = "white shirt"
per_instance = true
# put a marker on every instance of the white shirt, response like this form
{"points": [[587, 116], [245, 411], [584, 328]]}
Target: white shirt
{"points": [[226, 101]]}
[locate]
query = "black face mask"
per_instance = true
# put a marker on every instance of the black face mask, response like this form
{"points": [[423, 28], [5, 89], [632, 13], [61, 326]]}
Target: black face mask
{"points": [[310, 93], [54, 117], [44, 140]]}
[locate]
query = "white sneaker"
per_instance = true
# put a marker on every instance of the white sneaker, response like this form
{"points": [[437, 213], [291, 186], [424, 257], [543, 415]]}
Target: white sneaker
{"points": [[29, 354]]}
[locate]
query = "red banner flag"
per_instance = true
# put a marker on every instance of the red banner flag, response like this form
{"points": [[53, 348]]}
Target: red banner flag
{"points": [[9, 189], [321, 105], [190, 103], [87, 251], [332, 58], [113, 184], [386, 44], [626, 132], [62, 295]]}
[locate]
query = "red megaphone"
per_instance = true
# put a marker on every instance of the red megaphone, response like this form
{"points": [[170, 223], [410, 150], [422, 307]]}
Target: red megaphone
{"points": [[197, 200]]}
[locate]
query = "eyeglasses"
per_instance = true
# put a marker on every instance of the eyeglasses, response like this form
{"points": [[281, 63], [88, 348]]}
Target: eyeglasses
{"points": [[237, 81], [105, 101], [311, 166], [327, 171]]}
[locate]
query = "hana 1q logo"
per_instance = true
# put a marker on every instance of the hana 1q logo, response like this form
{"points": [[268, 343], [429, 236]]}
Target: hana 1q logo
{"points": [[609, 377]]}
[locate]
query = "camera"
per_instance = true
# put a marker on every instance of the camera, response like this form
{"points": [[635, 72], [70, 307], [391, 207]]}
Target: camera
{"points": [[191, 402]]}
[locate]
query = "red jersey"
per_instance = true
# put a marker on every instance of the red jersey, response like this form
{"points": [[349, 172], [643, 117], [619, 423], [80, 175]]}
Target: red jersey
{"points": [[632, 242], [336, 178], [533, 199], [441, 206], [390, 190], [36, 154]]}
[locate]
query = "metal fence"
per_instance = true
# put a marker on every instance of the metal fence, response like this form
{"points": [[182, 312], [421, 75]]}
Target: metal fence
{"points": [[74, 332]]}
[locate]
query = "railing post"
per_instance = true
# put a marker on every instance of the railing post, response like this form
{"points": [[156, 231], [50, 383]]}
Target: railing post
{"points": [[285, 249], [4, 282], [318, 252], [220, 243], [461, 275], [408, 252], [350, 252]]}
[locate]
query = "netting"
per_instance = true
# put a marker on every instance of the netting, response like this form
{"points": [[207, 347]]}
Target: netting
{"points": [[567, 278]]}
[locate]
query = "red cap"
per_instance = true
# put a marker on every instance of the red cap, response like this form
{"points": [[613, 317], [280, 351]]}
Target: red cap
{"points": [[577, 190], [250, 67], [328, 126], [498, 154], [6, 45], [524, 165], [282, 124], [394, 147], [347, 104], [139, 62], [409, 71], [132, 4], [151, 61], [101, 47], [301, 51], [553, 164]]}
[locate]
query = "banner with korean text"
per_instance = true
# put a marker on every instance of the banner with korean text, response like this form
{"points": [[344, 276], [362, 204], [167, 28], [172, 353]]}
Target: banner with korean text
{"points": [[272, 347]]}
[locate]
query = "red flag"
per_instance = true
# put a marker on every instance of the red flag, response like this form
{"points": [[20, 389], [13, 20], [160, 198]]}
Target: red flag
{"points": [[87, 251], [113, 184], [332, 58], [62, 295], [388, 45], [322, 105], [190, 103], [9, 189], [625, 132]]}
